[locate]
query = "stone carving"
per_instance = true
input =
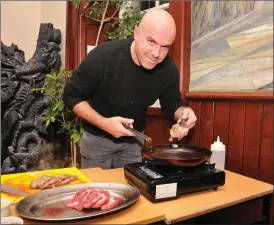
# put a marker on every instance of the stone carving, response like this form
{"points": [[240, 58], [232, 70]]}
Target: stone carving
{"points": [[23, 132]]}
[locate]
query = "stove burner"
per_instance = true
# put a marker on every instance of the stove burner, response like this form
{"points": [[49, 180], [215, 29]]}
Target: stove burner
{"points": [[156, 182]]}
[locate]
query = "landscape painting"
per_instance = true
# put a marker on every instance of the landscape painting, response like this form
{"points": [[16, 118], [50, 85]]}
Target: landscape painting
{"points": [[231, 46]]}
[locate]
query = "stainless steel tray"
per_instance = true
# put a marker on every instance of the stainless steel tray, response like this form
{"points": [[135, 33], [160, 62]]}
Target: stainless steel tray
{"points": [[49, 205]]}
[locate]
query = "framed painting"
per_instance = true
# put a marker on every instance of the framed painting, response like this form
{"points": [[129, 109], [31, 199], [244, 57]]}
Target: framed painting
{"points": [[231, 46]]}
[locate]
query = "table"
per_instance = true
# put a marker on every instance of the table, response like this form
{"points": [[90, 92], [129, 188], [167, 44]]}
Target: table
{"points": [[239, 194], [238, 190]]}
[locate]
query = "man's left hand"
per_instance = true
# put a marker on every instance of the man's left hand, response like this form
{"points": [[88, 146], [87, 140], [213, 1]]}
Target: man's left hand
{"points": [[186, 114]]}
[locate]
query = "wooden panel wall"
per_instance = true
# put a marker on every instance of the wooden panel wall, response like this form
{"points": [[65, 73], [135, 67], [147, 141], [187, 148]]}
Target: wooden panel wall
{"points": [[246, 128], [72, 37]]}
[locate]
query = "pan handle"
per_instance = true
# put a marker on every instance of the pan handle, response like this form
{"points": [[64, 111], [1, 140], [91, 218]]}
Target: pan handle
{"points": [[141, 135]]}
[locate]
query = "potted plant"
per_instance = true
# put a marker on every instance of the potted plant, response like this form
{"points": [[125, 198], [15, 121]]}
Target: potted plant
{"points": [[58, 113], [106, 14]]}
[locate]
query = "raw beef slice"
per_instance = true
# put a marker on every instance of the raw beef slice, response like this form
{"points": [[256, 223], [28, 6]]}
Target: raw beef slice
{"points": [[112, 202], [92, 198], [104, 199], [77, 202], [73, 202]]}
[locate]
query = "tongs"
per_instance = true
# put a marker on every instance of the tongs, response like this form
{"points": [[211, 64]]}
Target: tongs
{"points": [[148, 141]]}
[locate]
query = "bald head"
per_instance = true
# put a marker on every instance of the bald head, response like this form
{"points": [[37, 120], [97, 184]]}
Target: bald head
{"points": [[159, 20], [153, 38]]}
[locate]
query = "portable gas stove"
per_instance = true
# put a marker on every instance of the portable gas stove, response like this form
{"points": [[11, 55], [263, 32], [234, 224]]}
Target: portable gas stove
{"points": [[161, 183]]}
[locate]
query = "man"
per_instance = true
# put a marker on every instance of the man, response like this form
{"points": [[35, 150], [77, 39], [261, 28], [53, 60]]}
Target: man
{"points": [[117, 82]]}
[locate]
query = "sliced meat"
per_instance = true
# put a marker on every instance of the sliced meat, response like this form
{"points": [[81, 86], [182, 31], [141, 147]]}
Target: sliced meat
{"points": [[77, 202], [40, 181], [65, 179], [112, 202], [65, 176], [92, 199], [49, 184], [103, 200], [73, 202], [45, 181], [83, 198]]}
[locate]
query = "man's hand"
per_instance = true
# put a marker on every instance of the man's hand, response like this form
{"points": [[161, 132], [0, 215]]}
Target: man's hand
{"points": [[114, 126], [177, 132], [186, 114]]}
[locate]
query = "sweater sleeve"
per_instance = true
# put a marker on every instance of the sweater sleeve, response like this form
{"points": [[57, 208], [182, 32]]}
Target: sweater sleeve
{"points": [[171, 99], [85, 79]]}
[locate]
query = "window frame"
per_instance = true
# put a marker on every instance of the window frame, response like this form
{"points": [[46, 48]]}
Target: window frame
{"points": [[158, 6]]}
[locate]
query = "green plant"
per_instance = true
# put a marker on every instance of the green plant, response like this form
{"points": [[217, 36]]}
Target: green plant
{"points": [[53, 88], [123, 27], [115, 27], [70, 124]]}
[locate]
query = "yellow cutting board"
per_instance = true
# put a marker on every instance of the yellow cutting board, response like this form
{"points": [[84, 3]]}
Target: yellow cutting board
{"points": [[23, 180]]}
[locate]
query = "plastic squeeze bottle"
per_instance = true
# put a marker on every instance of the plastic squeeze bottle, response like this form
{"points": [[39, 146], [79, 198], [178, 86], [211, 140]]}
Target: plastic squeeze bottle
{"points": [[218, 154]]}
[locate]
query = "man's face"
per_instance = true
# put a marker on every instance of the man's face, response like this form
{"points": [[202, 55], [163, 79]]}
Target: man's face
{"points": [[151, 45]]}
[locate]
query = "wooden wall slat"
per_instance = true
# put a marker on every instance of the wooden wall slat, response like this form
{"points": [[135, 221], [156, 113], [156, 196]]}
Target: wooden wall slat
{"points": [[206, 124], [72, 37], [221, 121], [92, 29], [252, 136], [87, 30], [83, 38], [266, 172], [181, 48], [236, 134], [193, 136], [69, 41], [158, 129]]}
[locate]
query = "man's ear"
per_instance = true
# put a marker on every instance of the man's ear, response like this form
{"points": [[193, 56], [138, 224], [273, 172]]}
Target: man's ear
{"points": [[136, 32]]}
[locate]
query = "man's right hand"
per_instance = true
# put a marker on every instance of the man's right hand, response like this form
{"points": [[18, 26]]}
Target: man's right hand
{"points": [[114, 126]]}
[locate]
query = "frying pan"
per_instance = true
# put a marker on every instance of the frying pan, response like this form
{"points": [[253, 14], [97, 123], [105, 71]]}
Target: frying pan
{"points": [[176, 155]]}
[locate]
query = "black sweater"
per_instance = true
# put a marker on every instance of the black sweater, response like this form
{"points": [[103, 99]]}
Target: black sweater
{"points": [[114, 85]]}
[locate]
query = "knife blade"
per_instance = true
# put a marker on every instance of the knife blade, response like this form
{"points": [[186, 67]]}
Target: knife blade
{"points": [[12, 190]]}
